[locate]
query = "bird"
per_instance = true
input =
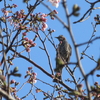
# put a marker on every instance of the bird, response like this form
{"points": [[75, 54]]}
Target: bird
{"points": [[63, 54]]}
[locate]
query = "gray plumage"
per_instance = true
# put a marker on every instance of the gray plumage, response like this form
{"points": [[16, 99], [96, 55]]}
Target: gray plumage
{"points": [[63, 54], [64, 49]]}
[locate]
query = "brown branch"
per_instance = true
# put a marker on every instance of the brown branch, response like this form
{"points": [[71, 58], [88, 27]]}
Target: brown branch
{"points": [[28, 92], [50, 40], [33, 7], [39, 67], [89, 57], [71, 74], [73, 40], [62, 22], [76, 49], [21, 86], [45, 82], [82, 19], [88, 42], [88, 11], [92, 71], [46, 51], [96, 38], [5, 95]]}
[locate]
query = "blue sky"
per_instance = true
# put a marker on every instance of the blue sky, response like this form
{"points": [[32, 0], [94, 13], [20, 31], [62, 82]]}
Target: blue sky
{"points": [[82, 32]]}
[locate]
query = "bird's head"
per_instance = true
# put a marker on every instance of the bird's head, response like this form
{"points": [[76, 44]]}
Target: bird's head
{"points": [[61, 38]]}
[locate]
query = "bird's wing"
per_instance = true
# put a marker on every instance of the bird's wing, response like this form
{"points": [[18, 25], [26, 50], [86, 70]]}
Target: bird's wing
{"points": [[70, 49]]}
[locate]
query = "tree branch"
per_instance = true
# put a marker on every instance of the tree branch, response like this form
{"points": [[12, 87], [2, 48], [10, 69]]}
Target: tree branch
{"points": [[5, 95]]}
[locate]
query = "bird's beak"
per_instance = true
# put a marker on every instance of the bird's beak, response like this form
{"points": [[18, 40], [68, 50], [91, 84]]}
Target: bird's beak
{"points": [[56, 37]]}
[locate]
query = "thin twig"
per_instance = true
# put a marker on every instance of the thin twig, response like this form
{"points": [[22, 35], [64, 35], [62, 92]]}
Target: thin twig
{"points": [[89, 57], [89, 11], [81, 44], [21, 86], [5, 94], [62, 22], [46, 51], [45, 82], [31, 10], [76, 49], [28, 92]]}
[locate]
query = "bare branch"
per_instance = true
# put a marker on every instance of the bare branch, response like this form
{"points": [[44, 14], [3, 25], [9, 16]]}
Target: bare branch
{"points": [[46, 51], [76, 49], [32, 9], [63, 23], [81, 44], [5, 95], [89, 11], [39, 67]]}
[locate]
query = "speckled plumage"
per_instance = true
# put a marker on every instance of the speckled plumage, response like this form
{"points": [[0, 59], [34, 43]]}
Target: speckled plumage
{"points": [[64, 49], [63, 54]]}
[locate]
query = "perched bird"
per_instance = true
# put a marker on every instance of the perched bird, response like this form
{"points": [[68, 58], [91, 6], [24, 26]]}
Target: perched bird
{"points": [[63, 54]]}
